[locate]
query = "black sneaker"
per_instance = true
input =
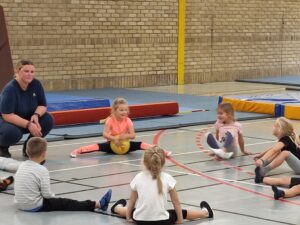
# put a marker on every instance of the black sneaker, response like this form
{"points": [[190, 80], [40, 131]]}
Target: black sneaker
{"points": [[258, 177], [4, 152], [277, 192], [205, 205], [119, 202]]}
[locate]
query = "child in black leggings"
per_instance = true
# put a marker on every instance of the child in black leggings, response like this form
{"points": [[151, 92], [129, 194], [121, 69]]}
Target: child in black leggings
{"points": [[149, 189]]}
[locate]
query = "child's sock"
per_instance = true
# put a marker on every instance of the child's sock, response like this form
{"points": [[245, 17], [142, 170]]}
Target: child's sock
{"points": [[264, 170], [228, 139], [104, 201], [263, 162], [121, 202], [277, 192], [258, 177], [205, 205], [211, 141], [266, 163]]}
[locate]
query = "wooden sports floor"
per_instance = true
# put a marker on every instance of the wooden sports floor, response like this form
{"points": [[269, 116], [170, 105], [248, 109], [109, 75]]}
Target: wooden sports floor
{"points": [[227, 185]]}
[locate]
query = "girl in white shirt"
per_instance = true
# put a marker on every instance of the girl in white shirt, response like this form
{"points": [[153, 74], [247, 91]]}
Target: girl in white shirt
{"points": [[148, 198]]}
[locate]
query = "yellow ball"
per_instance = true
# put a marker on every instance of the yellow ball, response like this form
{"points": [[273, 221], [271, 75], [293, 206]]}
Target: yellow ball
{"points": [[120, 150]]}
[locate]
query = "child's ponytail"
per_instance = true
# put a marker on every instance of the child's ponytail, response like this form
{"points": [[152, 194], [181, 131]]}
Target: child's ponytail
{"points": [[154, 161]]}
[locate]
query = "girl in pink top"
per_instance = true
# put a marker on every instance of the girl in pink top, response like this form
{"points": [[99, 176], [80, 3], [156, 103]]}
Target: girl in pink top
{"points": [[229, 137], [118, 127]]}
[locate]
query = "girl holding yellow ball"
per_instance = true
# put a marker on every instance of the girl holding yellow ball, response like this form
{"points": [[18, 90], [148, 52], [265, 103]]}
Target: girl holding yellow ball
{"points": [[119, 131]]}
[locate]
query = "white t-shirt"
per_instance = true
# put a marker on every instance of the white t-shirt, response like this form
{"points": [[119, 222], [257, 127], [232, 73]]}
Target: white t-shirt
{"points": [[151, 206]]}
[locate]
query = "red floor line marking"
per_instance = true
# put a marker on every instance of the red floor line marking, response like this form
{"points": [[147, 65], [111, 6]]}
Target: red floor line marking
{"points": [[155, 141], [157, 136]]}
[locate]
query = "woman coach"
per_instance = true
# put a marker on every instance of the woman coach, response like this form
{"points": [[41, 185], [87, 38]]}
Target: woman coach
{"points": [[23, 109]]}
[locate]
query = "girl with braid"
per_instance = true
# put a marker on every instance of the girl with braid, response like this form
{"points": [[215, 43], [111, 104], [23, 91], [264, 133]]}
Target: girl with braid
{"points": [[148, 199]]}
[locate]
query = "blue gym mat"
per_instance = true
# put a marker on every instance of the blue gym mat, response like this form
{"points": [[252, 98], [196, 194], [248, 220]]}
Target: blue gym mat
{"points": [[288, 97], [285, 80], [186, 102], [190, 119], [186, 117], [81, 104], [61, 101]]}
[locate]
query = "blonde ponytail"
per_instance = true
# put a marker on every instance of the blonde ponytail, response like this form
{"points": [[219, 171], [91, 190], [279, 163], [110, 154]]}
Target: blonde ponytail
{"points": [[154, 160]]}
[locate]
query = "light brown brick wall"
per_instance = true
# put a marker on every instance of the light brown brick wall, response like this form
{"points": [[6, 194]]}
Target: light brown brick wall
{"points": [[78, 44], [231, 39]]}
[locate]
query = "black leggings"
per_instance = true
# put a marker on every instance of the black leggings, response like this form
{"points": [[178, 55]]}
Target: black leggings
{"points": [[65, 204], [294, 181], [172, 219], [105, 147]]}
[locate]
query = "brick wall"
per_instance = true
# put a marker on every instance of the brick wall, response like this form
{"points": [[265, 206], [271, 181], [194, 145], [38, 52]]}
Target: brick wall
{"points": [[230, 39], [79, 44]]}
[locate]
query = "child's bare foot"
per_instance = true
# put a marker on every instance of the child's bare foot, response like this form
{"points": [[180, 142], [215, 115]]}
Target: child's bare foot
{"points": [[247, 153], [259, 162]]}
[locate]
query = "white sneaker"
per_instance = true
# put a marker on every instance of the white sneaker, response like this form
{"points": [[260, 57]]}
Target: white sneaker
{"points": [[221, 153]]}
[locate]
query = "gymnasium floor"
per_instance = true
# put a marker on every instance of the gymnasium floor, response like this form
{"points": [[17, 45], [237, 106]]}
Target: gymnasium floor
{"points": [[227, 185]]}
